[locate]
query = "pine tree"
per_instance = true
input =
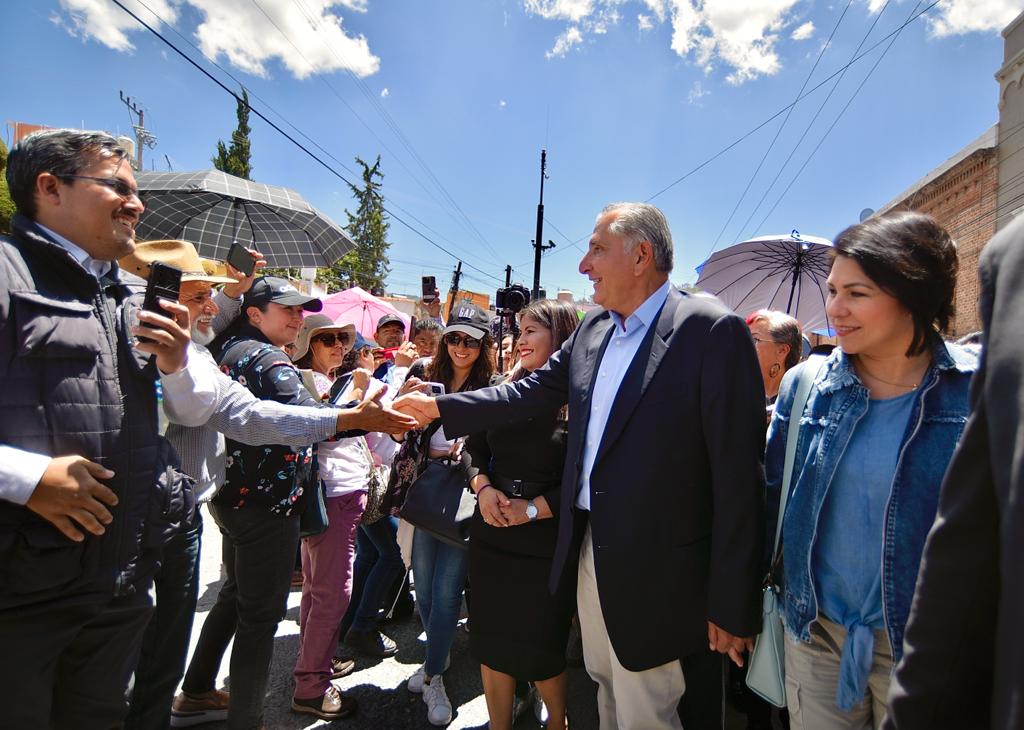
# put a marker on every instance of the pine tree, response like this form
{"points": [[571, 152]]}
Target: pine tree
{"points": [[367, 265], [6, 204], [236, 159]]}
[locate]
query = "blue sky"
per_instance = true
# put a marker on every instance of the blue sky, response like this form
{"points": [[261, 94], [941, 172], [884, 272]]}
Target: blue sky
{"points": [[459, 96]]}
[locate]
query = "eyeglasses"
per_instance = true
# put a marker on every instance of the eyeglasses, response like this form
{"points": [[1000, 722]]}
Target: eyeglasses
{"points": [[758, 340], [329, 339], [454, 339], [116, 184]]}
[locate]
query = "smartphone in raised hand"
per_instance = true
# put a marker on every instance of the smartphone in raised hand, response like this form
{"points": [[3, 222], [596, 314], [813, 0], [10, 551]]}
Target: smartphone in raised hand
{"points": [[164, 283], [241, 259]]}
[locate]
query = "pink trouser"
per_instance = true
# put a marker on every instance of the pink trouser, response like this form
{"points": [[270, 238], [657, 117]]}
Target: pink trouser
{"points": [[326, 590]]}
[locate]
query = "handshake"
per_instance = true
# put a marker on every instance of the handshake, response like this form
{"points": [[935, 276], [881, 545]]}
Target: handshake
{"points": [[413, 401]]}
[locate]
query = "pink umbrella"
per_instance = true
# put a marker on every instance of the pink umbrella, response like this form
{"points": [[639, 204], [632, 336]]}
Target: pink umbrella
{"points": [[361, 308]]}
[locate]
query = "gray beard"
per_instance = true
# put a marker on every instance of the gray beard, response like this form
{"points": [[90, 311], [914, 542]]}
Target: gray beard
{"points": [[203, 338]]}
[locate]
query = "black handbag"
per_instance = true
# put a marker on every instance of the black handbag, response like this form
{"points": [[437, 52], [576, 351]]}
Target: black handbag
{"points": [[440, 503]]}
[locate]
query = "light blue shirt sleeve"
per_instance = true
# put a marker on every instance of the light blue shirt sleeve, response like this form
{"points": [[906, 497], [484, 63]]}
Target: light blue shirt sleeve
{"points": [[20, 472], [609, 372]]}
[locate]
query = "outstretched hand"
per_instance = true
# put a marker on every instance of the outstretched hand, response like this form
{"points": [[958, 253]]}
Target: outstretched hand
{"points": [[421, 407], [371, 415]]}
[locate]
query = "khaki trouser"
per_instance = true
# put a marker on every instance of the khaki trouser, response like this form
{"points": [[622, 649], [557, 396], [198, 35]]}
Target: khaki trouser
{"points": [[812, 676], [625, 700]]}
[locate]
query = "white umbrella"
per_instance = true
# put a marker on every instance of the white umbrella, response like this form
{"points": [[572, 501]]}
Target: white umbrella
{"points": [[784, 272]]}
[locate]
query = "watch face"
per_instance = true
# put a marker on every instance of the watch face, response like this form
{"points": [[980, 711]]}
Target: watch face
{"points": [[531, 510]]}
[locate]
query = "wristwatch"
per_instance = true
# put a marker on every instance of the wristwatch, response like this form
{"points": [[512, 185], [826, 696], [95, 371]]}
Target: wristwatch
{"points": [[531, 511]]}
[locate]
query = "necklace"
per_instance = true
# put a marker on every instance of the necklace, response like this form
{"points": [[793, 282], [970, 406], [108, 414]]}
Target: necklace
{"points": [[886, 382]]}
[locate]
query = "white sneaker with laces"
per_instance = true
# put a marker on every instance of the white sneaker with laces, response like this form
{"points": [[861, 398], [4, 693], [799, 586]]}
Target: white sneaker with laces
{"points": [[415, 683], [439, 708]]}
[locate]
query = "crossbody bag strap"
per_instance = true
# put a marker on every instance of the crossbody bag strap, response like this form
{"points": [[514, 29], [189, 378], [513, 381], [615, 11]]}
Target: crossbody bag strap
{"points": [[803, 390]]}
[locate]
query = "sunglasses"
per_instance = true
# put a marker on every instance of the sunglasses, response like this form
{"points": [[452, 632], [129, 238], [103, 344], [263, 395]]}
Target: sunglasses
{"points": [[330, 339], [118, 185], [454, 339]]}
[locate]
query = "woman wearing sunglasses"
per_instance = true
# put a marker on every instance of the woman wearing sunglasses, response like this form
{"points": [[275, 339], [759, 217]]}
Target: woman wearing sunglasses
{"points": [[344, 467], [520, 630], [879, 427], [462, 363]]}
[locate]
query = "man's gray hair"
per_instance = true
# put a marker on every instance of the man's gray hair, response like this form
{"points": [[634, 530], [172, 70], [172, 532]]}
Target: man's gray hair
{"points": [[57, 151], [637, 222]]}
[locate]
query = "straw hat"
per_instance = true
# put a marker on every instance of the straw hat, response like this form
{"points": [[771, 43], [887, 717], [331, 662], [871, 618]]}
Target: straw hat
{"points": [[179, 254], [315, 324]]}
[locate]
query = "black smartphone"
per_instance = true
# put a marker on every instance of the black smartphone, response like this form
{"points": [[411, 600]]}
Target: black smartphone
{"points": [[164, 283], [429, 288], [241, 259]]}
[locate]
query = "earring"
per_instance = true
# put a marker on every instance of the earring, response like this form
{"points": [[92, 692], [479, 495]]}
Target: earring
{"points": [[773, 371]]}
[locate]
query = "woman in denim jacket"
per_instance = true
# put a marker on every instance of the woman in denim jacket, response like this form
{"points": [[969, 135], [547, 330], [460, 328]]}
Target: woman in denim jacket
{"points": [[884, 415]]}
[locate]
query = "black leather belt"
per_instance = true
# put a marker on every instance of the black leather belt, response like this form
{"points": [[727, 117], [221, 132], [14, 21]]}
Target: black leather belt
{"points": [[521, 489]]}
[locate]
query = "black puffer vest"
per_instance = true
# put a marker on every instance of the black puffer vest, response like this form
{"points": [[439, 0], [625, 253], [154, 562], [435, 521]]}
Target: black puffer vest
{"points": [[72, 384]]}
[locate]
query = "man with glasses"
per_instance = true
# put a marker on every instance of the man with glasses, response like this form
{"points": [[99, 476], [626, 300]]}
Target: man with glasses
{"points": [[241, 416], [80, 455]]}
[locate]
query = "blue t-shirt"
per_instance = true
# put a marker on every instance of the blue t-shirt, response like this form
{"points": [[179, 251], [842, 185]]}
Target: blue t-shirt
{"points": [[847, 557]]}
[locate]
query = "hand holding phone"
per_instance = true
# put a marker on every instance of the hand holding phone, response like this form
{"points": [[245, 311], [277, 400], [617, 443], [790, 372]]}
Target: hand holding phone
{"points": [[164, 283], [241, 259], [434, 389]]}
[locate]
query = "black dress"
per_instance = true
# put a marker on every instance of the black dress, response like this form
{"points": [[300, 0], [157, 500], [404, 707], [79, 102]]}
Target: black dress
{"points": [[516, 625]]}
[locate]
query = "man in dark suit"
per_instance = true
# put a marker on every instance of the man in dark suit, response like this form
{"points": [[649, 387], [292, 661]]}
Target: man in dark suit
{"points": [[663, 466], [963, 657]]}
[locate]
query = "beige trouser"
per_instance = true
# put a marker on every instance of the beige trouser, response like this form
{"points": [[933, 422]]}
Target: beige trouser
{"points": [[626, 700], [812, 676]]}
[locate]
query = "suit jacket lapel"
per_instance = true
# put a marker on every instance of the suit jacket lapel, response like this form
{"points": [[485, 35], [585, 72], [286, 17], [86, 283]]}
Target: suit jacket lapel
{"points": [[641, 371]]}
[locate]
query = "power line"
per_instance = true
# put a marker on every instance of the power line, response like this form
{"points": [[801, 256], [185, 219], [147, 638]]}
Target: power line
{"points": [[392, 124], [781, 111], [807, 129], [782, 126], [285, 134], [839, 116]]}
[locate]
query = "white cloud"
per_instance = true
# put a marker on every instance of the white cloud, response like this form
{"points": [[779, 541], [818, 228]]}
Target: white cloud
{"points": [[384, 93], [106, 23], [565, 42], [571, 10], [697, 92], [804, 32], [243, 31], [644, 22], [956, 17]]}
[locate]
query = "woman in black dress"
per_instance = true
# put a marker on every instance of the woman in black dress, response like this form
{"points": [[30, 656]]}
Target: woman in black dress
{"points": [[519, 630]]}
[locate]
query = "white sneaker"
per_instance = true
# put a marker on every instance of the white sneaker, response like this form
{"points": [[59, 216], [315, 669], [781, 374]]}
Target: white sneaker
{"points": [[415, 683], [439, 708]]}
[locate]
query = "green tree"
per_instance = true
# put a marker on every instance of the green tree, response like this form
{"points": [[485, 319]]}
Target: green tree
{"points": [[6, 204], [367, 265], [236, 159]]}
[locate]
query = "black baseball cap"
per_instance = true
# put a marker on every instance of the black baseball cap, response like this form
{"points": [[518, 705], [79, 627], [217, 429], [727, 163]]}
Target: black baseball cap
{"points": [[390, 319], [280, 291], [470, 320]]}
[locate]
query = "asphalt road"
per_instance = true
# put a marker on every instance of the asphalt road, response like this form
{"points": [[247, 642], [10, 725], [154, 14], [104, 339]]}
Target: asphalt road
{"points": [[379, 685]]}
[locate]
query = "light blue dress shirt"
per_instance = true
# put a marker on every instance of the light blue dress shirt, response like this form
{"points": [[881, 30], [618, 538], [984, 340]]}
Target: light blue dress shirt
{"points": [[608, 374]]}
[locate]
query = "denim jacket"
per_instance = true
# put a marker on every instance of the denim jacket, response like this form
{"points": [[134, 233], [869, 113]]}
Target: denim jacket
{"points": [[837, 401]]}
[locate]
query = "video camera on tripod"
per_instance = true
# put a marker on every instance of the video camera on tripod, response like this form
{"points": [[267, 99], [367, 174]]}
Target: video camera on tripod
{"points": [[508, 302]]}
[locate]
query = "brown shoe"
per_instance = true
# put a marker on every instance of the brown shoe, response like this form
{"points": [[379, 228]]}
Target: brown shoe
{"points": [[330, 706], [341, 667], [197, 709]]}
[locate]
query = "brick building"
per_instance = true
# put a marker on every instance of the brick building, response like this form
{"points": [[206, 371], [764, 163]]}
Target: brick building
{"points": [[962, 194]]}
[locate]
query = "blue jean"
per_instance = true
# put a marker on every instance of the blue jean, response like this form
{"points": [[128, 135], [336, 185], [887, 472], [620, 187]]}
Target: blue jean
{"points": [[378, 565], [165, 643], [440, 572]]}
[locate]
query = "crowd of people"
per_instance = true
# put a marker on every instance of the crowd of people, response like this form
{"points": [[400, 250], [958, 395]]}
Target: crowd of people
{"points": [[626, 473]]}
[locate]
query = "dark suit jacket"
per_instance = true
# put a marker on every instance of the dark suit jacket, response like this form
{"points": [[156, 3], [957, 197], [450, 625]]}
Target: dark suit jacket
{"points": [[677, 485], [963, 662]]}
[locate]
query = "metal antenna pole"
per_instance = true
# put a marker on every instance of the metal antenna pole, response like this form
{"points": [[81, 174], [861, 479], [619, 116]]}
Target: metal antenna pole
{"points": [[143, 137]]}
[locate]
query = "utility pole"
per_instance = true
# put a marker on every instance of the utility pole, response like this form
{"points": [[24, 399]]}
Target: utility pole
{"points": [[454, 290], [143, 137], [538, 245], [508, 275]]}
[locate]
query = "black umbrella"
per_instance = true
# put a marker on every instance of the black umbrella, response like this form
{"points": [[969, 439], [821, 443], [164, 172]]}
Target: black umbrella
{"points": [[213, 209]]}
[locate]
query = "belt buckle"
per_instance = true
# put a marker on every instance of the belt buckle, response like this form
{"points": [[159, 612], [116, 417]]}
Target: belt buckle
{"points": [[517, 487]]}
